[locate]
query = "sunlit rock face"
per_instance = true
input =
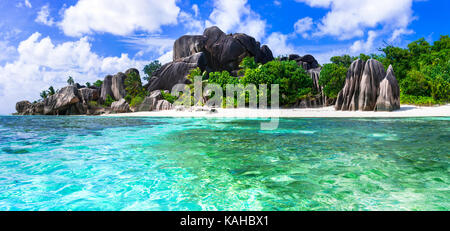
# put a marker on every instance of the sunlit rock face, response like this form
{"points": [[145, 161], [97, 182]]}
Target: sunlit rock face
{"points": [[364, 84], [389, 95], [212, 51]]}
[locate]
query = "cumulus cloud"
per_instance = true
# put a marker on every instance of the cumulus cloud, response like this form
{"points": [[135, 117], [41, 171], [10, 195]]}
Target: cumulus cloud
{"points": [[25, 3], [42, 63], [302, 26], [237, 16], [350, 18], [364, 46], [44, 16], [279, 45], [118, 17]]}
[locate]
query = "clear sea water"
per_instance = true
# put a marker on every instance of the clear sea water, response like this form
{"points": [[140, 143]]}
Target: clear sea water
{"points": [[101, 163]]}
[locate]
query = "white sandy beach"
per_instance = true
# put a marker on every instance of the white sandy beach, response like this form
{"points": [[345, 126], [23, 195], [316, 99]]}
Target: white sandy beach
{"points": [[326, 112]]}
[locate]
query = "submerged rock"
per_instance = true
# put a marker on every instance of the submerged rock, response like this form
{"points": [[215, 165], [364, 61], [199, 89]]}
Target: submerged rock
{"points": [[389, 95]]}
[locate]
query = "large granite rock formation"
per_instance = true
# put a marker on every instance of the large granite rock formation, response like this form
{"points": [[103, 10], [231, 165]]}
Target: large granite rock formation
{"points": [[174, 73], [114, 86], [150, 102], [23, 106], [65, 102], [389, 95], [120, 106], [308, 62], [362, 86], [212, 51], [106, 88], [88, 94]]}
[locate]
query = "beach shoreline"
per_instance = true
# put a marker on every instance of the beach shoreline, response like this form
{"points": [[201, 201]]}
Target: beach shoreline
{"points": [[325, 112]]}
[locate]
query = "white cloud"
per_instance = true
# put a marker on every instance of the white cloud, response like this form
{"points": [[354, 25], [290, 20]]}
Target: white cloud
{"points": [[44, 16], [195, 9], [118, 17], [151, 44], [399, 32], [7, 51], [166, 58], [42, 63], [277, 42], [303, 25], [361, 46], [25, 3], [236, 16], [350, 18]]}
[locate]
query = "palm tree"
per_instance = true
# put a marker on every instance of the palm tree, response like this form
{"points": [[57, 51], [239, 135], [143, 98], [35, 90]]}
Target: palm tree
{"points": [[51, 91], [44, 94], [70, 81]]}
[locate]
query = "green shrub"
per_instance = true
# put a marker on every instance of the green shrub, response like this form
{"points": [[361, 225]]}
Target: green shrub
{"points": [[137, 100], [151, 68], [109, 100], [133, 86], [93, 103], [169, 97], [416, 84], [293, 80], [222, 78], [98, 83], [440, 89], [417, 100], [332, 79]]}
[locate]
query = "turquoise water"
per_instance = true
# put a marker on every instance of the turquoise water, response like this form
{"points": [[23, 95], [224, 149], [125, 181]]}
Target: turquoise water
{"points": [[97, 163]]}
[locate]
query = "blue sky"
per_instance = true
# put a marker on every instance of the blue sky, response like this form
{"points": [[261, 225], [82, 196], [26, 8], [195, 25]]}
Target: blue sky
{"points": [[43, 42]]}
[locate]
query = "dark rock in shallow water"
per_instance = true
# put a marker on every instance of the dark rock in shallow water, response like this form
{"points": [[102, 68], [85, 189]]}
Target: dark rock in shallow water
{"points": [[362, 87], [389, 94]]}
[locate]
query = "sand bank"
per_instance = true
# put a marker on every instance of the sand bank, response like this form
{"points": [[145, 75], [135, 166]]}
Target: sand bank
{"points": [[326, 112]]}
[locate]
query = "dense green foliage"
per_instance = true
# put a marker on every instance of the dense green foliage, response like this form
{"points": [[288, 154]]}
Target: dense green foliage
{"points": [[135, 92], [109, 100], [422, 69], [169, 97], [150, 68], [98, 83], [332, 79], [294, 82], [88, 84]]}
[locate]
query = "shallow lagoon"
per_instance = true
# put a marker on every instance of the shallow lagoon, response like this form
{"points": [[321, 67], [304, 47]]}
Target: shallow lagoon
{"points": [[101, 163]]}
